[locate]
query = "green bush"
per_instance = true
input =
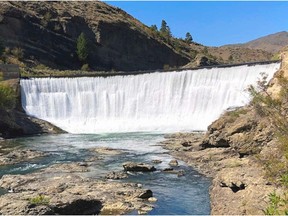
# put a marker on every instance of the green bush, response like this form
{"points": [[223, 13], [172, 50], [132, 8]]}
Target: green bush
{"points": [[7, 97], [46, 19], [85, 67], [18, 53], [277, 205], [237, 112], [39, 200], [41, 67], [166, 67]]}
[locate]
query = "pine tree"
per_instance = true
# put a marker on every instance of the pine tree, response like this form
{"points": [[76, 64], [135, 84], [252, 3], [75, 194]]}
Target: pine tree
{"points": [[164, 27], [188, 38], [165, 31], [154, 28], [82, 47]]}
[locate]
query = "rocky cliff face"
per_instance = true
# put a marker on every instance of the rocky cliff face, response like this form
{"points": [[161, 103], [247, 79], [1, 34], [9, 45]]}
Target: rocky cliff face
{"points": [[47, 32]]}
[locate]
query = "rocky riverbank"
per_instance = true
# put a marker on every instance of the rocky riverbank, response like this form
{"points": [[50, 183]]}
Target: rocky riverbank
{"points": [[238, 185], [66, 192], [68, 189]]}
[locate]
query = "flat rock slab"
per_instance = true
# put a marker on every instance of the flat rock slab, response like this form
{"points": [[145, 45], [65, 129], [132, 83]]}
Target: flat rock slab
{"points": [[106, 151], [56, 190], [117, 175], [18, 156]]}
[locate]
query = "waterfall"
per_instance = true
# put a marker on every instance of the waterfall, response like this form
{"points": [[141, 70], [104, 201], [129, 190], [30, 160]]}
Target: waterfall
{"points": [[165, 102]]}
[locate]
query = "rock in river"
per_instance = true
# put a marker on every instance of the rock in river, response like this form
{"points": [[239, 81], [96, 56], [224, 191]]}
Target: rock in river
{"points": [[17, 156], [116, 175], [173, 163], [138, 167]]}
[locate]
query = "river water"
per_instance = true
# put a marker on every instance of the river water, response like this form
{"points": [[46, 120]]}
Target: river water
{"points": [[184, 195]]}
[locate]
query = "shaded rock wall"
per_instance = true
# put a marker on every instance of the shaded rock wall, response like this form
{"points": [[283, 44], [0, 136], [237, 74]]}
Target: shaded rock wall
{"points": [[16, 123]]}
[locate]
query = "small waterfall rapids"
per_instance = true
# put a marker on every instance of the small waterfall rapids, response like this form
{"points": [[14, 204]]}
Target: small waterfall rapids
{"points": [[164, 102]]}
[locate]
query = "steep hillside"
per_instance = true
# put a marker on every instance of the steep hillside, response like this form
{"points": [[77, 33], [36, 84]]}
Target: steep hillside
{"points": [[239, 54], [46, 33], [271, 43]]}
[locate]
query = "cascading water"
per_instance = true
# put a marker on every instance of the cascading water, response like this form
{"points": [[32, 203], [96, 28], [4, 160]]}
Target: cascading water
{"points": [[165, 102]]}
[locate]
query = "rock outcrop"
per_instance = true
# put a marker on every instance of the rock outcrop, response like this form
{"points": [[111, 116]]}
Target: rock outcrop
{"points": [[238, 183], [47, 33], [15, 122], [241, 129]]}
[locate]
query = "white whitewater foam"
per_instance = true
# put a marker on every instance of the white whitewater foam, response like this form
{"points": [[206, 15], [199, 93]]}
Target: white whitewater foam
{"points": [[164, 102]]}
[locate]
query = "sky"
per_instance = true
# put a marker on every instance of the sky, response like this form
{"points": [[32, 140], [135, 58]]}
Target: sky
{"points": [[212, 23]]}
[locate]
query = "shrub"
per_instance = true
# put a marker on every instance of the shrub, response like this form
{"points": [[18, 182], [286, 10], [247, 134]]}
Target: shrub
{"points": [[230, 59], [237, 112], [277, 205], [85, 67], [46, 19], [166, 67], [18, 52], [39, 200], [7, 97], [41, 67]]}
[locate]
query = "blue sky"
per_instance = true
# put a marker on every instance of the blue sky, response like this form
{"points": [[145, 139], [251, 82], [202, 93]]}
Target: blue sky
{"points": [[212, 23]]}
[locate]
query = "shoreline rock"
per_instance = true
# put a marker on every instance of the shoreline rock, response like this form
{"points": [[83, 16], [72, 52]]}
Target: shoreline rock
{"points": [[238, 185], [67, 192], [19, 155]]}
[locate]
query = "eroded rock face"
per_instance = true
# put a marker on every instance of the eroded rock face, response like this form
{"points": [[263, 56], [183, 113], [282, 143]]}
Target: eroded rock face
{"points": [[241, 129], [226, 153], [62, 189], [47, 32]]}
